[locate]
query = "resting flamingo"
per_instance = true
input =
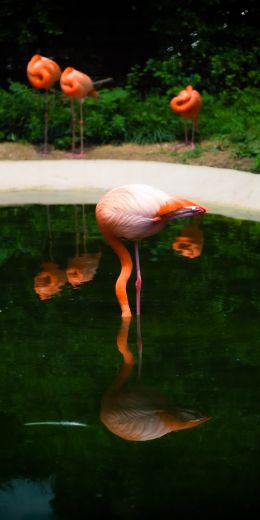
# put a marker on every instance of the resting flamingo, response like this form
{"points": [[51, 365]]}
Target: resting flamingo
{"points": [[137, 412], [133, 212], [77, 85], [42, 73], [188, 104]]}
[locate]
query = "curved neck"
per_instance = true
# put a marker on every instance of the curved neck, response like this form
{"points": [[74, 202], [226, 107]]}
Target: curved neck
{"points": [[126, 270]]}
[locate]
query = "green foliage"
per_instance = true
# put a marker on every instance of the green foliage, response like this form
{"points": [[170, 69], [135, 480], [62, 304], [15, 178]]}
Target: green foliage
{"points": [[232, 68], [123, 115], [166, 76], [233, 117]]}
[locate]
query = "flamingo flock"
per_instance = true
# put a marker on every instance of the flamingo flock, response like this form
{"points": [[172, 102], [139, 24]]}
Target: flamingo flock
{"points": [[43, 73], [130, 212]]}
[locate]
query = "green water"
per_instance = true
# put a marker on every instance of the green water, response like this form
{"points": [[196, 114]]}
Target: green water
{"points": [[59, 356]]}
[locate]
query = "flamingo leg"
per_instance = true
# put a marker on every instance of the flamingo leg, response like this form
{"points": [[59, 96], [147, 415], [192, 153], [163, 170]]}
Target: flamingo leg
{"points": [[139, 346], [73, 124], [186, 140], [186, 133], [81, 122], [194, 128], [46, 118], [138, 283]]}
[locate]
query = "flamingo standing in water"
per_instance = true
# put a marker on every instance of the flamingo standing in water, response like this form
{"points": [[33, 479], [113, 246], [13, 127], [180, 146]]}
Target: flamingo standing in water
{"points": [[188, 104], [133, 212], [42, 73], [77, 85]]}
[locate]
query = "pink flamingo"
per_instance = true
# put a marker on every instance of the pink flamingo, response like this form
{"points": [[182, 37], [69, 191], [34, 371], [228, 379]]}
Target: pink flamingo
{"points": [[77, 85], [188, 104], [42, 73], [133, 212]]}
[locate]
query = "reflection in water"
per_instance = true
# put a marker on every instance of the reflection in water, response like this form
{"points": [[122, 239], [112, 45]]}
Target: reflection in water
{"points": [[140, 413], [22, 499], [81, 269], [190, 242], [51, 278]]}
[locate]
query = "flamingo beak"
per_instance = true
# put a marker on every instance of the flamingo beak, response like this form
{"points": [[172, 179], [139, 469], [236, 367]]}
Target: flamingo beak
{"points": [[198, 209], [189, 211]]}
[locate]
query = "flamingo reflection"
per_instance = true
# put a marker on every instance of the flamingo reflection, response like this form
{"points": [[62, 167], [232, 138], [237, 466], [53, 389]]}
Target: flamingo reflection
{"points": [[190, 242], [140, 413], [51, 278], [49, 281], [82, 268]]}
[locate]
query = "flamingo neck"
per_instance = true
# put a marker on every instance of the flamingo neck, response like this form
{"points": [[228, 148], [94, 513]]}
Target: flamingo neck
{"points": [[126, 270]]}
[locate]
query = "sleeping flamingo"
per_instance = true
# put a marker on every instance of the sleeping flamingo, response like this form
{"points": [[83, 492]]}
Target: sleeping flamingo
{"points": [[77, 85], [133, 212], [42, 73], [137, 412], [188, 104]]}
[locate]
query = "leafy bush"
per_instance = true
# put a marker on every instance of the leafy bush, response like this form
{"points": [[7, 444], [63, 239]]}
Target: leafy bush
{"points": [[123, 115], [165, 76]]}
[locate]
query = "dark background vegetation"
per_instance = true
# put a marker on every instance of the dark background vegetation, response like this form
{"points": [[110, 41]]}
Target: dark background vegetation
{"points": [[151, 50], [215, 38]]}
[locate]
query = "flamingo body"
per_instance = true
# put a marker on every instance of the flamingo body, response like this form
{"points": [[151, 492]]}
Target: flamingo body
{"points": [[42, 72], [134, 212], [187, 103], [76, 84]]}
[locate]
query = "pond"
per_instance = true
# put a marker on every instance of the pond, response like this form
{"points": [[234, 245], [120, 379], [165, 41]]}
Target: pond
{"points": [[185, 379]]}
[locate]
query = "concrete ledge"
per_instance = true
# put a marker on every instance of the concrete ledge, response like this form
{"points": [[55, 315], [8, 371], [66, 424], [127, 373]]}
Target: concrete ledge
{"points": [[224, 191]]}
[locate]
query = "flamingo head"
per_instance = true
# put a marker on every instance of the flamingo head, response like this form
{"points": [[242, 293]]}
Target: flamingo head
{"points": [[189, 211]]}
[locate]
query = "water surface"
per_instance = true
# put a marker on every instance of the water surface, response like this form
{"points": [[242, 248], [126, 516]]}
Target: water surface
{"points": [[60, 357]]}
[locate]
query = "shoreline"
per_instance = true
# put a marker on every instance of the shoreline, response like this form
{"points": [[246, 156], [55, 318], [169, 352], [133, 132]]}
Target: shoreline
{"points": [[231, 193]]}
